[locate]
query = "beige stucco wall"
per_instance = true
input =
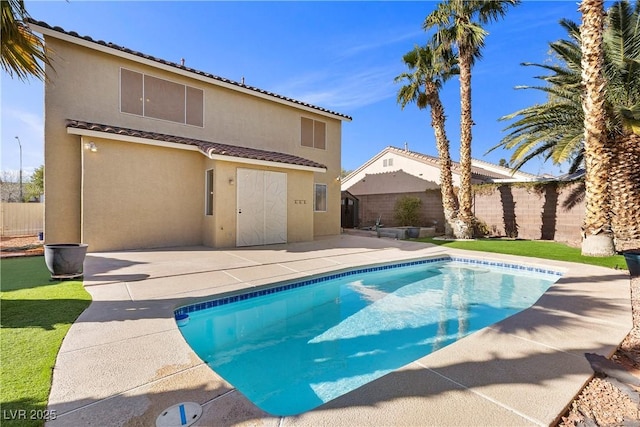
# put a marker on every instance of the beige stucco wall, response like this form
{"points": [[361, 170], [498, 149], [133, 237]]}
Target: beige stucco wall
{"points": [[221, 227], [140, 196], [84, 85]]}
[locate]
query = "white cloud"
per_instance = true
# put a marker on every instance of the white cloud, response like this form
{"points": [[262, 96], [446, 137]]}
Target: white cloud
{"points": [[358, 48], [29, 123], [343, 89], [29, 127]]}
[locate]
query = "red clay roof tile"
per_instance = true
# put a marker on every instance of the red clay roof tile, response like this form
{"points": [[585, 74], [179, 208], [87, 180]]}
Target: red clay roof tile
{"points": [[205, 146], [182, 67]]}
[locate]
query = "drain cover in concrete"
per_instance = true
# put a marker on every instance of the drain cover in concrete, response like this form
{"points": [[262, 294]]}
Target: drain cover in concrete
{"points": [[181, 415]]}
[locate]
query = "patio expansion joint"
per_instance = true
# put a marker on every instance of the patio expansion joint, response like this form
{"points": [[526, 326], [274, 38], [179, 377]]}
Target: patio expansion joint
{"points": [[232, 276], [331, 260], [226, 393], [535, 342], [116, 341], [126, 286], [239, 257], [287, 267], [484, 396], [89, 405]]}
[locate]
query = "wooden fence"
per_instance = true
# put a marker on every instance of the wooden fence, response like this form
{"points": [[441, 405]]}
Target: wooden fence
{"points": [[21, 219]]}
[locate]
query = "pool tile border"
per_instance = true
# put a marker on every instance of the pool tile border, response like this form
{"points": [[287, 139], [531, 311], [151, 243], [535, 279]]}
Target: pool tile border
{"points": [[350, 272]]}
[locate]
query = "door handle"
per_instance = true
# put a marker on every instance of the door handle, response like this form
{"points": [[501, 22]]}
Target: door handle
{"points": [[240, 210]]}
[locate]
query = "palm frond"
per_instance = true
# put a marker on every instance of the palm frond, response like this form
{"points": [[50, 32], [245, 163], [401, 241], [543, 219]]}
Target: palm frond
{"points": [[22, 53]]}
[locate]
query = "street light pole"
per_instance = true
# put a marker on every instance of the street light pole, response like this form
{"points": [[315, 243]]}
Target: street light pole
{"points": [[21, 200]]}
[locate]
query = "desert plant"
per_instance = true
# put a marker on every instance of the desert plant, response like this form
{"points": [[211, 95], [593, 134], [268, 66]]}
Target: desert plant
{"points": [[407, 210]]}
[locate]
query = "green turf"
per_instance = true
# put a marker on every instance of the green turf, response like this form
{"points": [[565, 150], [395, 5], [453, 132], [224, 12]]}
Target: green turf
{"points": [[35, 315], [533, 249]]}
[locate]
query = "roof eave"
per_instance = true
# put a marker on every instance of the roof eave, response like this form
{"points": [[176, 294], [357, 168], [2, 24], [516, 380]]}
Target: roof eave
{"points": [[179, 146]]}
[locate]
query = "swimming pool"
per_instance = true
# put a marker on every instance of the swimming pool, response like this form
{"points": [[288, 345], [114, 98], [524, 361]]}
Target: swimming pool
{"points": [[294, 346]]}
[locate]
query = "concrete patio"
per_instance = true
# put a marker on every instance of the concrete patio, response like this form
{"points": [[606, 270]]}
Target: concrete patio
{"points": [[124, 360]]}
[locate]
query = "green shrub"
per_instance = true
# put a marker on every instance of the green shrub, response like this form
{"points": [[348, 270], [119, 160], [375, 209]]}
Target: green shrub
{"points": [[407, 210]]}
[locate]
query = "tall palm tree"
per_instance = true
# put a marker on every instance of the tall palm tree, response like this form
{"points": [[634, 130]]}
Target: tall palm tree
{"points": [[458, 26], [22, 52], [428, 70], [624, 129], [555, 129], [597, 235]]}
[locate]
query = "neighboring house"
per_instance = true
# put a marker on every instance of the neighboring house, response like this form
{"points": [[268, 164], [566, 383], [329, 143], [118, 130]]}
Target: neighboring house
{"points": [[395, 171], [141, 152]]}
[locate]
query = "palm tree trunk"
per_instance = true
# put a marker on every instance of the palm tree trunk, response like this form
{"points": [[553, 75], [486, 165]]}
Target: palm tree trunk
{"points": [[597, 235], [465, 215], [624, 178], [449, 201]]}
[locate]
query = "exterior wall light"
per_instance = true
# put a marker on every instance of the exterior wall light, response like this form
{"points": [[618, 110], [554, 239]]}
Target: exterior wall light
{"points": [[91, 146]]}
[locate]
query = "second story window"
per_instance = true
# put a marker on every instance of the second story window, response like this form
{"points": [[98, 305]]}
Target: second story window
{"points": [[387, 162], [313, 133], [157, 98]]}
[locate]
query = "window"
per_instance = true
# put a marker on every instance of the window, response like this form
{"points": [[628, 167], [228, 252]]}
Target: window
{"points": [[320, 198], [313, 133], [208, 198], [387, 162], [163, 99]]}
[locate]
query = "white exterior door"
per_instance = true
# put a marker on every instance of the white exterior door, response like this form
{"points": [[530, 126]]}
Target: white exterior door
{"points": [[262, 207]]}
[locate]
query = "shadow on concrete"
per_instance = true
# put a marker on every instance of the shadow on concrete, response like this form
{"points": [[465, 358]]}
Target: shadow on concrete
{"points": [[221, 407], [96, 265]]}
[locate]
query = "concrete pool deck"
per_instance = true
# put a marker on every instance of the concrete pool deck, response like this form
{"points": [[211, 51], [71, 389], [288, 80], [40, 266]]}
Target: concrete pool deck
{"points": [[124, 360]]}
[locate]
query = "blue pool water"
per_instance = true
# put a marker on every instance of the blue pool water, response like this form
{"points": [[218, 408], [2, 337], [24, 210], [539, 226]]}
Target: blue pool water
{"points": [[294, 347]]}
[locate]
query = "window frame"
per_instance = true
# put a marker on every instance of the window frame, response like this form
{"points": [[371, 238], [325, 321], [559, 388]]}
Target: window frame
{"points": [[316, 186], [209, 186], [186, 118], [314, 131]]}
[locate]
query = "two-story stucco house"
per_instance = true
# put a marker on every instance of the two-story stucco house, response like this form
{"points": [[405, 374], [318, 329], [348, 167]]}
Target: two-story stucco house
{"points": [[142, 153]]}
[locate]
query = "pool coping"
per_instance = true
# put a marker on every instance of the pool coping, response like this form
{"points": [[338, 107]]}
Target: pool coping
{"points": [[523, 371]]}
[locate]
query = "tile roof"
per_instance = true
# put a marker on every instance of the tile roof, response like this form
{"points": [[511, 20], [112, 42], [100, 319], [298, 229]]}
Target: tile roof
{"points": [[182, 67], [208, 148], [477, 172]]}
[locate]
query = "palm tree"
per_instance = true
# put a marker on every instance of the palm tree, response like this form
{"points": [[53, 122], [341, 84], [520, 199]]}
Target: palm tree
{"points": [[428, 70], [597, 235], [22, 52], [458, 25], [623, 88], [555, 129]]}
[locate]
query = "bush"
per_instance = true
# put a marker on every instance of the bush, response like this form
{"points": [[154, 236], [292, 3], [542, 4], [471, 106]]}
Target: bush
{"points": [[407, 210]]}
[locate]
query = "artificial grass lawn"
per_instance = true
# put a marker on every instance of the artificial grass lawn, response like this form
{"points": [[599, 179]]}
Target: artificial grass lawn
{"points": [[35, 315], [533, 249]]}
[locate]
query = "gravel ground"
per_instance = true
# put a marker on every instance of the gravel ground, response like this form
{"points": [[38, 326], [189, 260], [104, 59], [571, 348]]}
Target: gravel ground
{"points": [[20, 246], [601, 403]]}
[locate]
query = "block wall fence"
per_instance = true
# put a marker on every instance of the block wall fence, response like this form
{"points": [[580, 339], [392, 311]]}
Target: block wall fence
{"points": [[540, 211]]}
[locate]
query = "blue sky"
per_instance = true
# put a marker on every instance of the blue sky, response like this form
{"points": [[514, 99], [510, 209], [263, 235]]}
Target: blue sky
{"points": [[339, 55]]}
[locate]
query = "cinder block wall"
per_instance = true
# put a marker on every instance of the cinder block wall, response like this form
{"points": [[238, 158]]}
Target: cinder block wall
{"points": [[530, 212], [372, 206], [515, 210]]}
